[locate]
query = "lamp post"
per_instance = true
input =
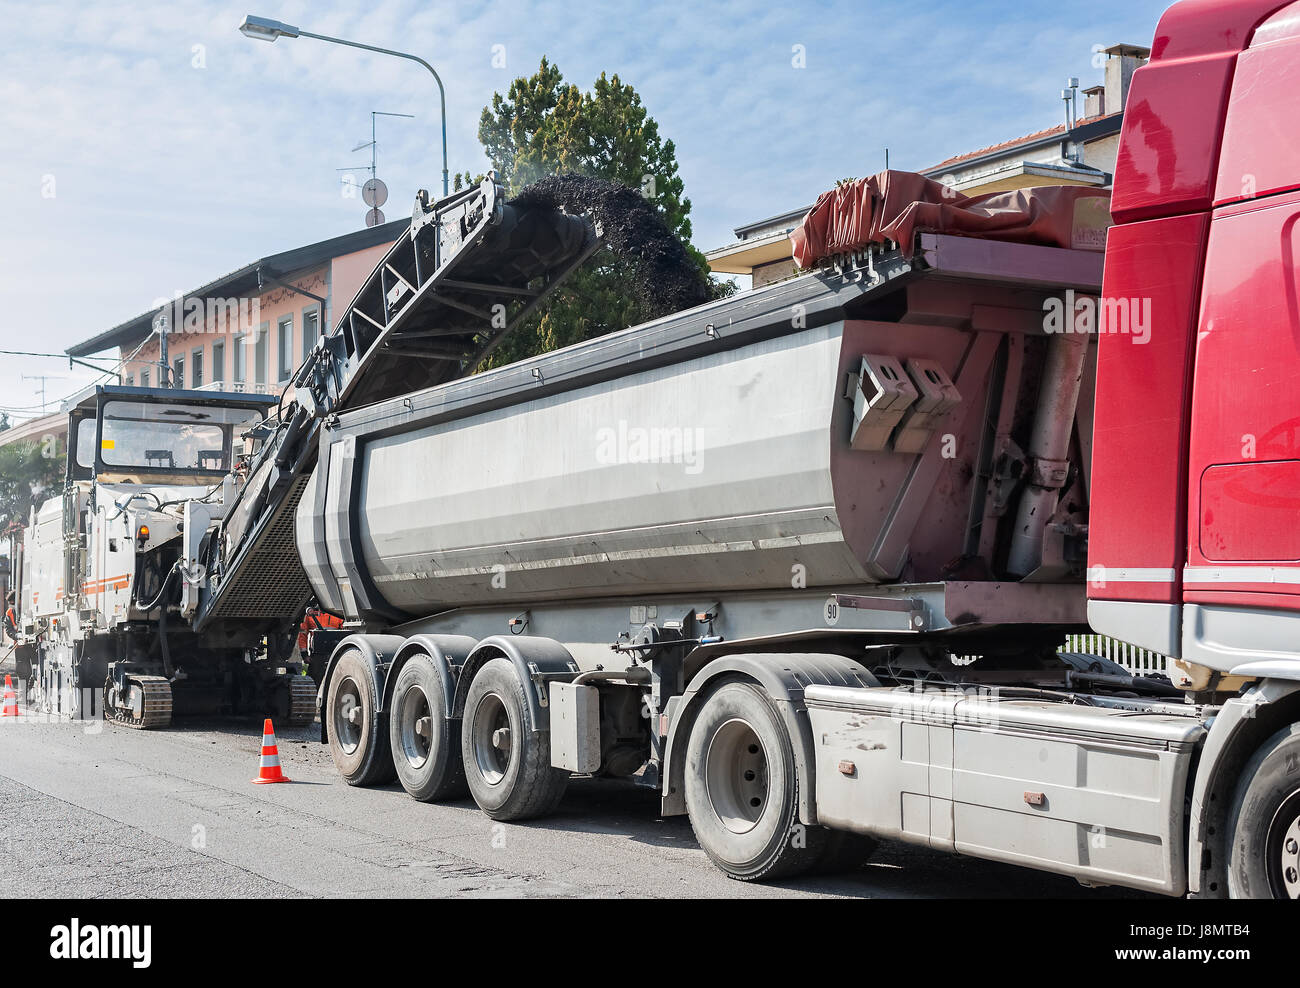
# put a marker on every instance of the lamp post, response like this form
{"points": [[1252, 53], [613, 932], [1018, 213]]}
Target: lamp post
{"points": [[265, 29]]}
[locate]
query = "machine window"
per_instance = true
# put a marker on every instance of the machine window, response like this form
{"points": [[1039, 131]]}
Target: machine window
{"points": [[85, 454], [151, 435]]}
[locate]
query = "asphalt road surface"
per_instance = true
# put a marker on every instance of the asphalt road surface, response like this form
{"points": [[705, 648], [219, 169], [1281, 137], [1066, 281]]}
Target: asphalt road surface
{"points": [[120, 813]]}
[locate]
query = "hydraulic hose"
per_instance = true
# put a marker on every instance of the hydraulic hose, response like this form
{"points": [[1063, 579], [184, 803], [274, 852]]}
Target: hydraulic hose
{"points": [[162, 592], [162, 644], [1049, 446]]}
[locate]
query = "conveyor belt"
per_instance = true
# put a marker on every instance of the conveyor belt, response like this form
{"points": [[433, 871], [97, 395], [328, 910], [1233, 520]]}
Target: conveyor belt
{"points": [[468, 270]]}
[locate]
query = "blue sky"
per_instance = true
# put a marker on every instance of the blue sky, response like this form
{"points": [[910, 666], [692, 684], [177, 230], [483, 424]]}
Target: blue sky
{"points": [[149, 147]]}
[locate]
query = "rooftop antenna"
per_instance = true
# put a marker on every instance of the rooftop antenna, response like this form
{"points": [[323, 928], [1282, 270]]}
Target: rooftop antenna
{"points": [[374, 193], [43, 378]]}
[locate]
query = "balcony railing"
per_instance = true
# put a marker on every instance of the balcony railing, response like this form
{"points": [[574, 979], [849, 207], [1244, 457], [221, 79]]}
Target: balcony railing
{"points": [[239, 387]]}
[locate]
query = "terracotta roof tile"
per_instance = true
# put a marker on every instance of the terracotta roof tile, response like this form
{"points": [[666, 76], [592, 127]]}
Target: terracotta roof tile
{"points": [[1008, 145]]}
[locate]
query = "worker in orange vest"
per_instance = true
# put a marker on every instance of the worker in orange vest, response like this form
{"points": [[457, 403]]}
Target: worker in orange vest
{"points": [[315, 619], [11, 619]]}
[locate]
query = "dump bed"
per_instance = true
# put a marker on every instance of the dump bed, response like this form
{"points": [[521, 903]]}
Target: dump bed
{"points": [[860, 424]]}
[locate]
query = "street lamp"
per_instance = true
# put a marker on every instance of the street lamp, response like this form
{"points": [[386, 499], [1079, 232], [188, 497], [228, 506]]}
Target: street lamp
{"points": [[265, 29]]}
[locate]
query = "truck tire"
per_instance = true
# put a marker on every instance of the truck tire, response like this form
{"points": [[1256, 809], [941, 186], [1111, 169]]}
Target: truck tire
{"points": [[1264, 834], [507, 766], [426, 753], [358, 734], [742, 791]]}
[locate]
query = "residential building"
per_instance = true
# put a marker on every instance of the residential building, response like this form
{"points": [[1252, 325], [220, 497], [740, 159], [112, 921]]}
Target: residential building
{"points": [[248, 330], [1080, 150], [45, 429], [245, 331]]}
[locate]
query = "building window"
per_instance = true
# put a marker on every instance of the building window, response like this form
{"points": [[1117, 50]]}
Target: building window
{"points": [[310, 330], [284, 339], [259, 353], [196, 368], [240, 357], [218, 361], [130, 380], [178, 372], [144, 379]]}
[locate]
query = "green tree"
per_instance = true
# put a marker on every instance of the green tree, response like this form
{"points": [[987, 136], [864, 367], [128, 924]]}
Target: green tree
{"points": [[29, 471], [544, 126]]}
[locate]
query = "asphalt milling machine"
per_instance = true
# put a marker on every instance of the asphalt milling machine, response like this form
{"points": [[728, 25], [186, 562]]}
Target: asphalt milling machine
{"points": [[166, 573]]}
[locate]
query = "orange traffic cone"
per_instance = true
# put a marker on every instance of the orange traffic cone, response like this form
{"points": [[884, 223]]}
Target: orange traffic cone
{"points": [[270, 768], [9, 706]]}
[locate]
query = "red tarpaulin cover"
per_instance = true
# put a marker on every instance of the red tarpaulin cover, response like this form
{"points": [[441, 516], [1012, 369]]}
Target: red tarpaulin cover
{"points": [[896, 205]]}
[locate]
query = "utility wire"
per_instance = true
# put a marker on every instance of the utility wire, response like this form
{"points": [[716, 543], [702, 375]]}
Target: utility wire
{"points": [[114, 371], [32, 409], [61, 356]]}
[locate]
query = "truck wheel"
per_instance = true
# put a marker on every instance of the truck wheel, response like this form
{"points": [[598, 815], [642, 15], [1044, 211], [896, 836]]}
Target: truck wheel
{"points": [[1264, 839], [426, 755], [508, 767], [358, 733], [742, 791]]}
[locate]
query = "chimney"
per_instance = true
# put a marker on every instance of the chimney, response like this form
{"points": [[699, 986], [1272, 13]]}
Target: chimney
{"points": [[1094, 102], [1121, 62]]}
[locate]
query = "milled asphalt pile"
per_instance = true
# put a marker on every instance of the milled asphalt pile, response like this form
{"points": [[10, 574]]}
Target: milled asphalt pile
{"points": [[664, 279]]}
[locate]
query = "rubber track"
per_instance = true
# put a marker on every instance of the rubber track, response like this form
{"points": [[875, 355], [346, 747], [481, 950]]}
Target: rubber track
{"points": [[156, 710]]}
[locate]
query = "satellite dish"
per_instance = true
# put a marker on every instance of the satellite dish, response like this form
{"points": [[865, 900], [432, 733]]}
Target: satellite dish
{"points": [[374, 193], [374, 216]]}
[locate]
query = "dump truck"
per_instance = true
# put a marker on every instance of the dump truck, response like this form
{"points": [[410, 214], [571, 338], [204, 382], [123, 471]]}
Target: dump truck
{"points": [[802, 560], [103, 600]]}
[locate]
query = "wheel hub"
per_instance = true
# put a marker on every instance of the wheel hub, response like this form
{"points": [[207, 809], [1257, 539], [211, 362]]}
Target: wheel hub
{"points": [[416, 727], [1285, 833], [492, 739], [348, 716], [736, 776]]}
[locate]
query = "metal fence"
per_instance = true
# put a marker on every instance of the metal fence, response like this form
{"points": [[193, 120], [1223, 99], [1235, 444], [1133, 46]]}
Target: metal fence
{"points": [[239, 387], [1139, 661]]}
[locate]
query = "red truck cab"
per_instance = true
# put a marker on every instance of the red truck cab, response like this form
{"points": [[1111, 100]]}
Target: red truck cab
{"points": [[1195, 522]]}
